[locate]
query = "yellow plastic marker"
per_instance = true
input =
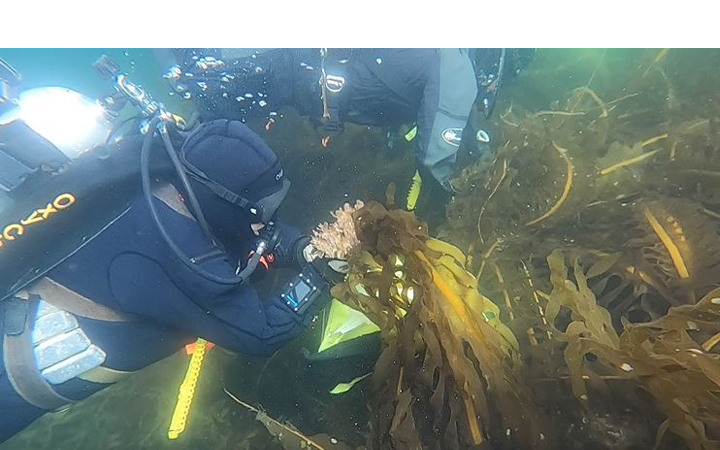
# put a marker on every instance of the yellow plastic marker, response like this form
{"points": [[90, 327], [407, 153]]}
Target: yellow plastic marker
{"points": [[179, 121], [344, 324], [187, 390], [342, 388], [410, 135], [414, 191]]}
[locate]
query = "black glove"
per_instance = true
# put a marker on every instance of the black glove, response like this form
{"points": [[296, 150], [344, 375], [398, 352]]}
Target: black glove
{"points": [[299, 258], [289, 247], [333, 271]]}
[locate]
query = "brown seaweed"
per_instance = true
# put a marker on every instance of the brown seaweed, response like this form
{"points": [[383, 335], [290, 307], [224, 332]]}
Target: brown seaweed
{"points": [[671, 358], [450, 376], [632, 196]]}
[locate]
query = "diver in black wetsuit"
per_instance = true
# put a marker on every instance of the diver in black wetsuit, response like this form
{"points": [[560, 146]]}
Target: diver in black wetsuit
{"points": [[432, 88], [93, 285]]}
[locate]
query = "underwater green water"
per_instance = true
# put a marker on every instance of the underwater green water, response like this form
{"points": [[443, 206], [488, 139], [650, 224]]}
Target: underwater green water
{"points": [[135, 413], [72, 68]]}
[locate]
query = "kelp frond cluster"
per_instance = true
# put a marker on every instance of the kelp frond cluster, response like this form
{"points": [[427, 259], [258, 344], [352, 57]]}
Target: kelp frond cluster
{"points": [[669, 358], [450, 375], [492, 342], [623, 178]]}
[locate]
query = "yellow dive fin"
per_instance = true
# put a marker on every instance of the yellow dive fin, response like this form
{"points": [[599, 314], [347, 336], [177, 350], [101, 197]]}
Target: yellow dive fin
{"points": [[414, 191], [187, 390]]}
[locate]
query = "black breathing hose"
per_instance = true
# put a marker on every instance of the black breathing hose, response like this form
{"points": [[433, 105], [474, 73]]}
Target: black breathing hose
{"points": [[147, 193], [251, 265], [192, 199]]}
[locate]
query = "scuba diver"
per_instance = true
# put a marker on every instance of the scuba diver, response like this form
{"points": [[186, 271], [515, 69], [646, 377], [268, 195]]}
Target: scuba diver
{"points": [[117, 250], [432, 90]]}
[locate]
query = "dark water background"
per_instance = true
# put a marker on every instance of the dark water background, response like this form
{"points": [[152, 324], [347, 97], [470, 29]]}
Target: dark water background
{"points": [[136, 412]]}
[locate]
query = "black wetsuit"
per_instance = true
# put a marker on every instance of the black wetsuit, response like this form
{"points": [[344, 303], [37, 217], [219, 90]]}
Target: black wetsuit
{"points": [[130, 268], [434, 88]]}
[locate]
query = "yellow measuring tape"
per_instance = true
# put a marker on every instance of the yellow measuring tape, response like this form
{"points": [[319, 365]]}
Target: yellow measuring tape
{"points": [[187, 390]]}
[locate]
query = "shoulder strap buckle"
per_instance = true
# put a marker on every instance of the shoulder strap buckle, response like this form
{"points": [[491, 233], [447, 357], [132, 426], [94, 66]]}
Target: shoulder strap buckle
{"points": [[334, 83]]}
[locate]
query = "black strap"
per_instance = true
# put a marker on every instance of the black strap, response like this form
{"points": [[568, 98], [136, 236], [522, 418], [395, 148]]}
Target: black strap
{"points": [[336, 101], [218, 189], [20, 364], [68, 300], [227, 195]]}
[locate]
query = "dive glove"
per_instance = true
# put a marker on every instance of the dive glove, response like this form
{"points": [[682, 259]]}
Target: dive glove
{"points": [[333, 271]]}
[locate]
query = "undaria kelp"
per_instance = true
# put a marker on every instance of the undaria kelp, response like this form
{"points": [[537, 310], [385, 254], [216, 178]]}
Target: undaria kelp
{"points": [[670, 358], [449, 376], [627, 170], [619, 170]]}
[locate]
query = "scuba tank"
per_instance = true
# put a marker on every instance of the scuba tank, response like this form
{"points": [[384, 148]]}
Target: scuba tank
{"points": [[54, 198], [62, 180]]}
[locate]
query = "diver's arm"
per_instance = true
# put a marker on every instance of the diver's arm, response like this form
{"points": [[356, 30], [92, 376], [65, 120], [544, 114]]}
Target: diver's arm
{"points": [[233, 317], [250, 325], [148, 280], [447, 101], [260, 327]]}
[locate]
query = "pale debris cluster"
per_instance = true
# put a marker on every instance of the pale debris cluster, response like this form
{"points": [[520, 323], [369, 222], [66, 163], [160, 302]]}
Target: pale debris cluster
{"points": [[335, 240]]}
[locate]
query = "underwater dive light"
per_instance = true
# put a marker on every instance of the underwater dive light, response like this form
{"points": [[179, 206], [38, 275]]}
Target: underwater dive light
{"points": [[69, 120]]}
